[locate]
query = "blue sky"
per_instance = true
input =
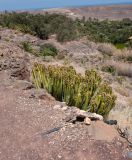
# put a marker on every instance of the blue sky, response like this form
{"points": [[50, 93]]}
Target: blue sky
{"points": [[34, 4]]}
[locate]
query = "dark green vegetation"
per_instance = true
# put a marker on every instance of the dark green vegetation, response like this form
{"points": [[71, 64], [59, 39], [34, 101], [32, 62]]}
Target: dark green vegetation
{"points": [[111, 69], [41, 25], [87, 93], [120, 45], [27, 46], [48, 50], [66, 29], [45, 50], [115, 32]]}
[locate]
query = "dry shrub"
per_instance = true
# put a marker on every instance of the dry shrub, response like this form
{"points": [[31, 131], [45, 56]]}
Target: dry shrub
{"points": [[122, 69], [107, 49], [110, 50], [124, 54]]}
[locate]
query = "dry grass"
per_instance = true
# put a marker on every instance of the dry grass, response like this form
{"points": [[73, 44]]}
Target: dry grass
{"points": [[122, 69], [107, 49], [124, 54], [110, 50], [120, 60]]}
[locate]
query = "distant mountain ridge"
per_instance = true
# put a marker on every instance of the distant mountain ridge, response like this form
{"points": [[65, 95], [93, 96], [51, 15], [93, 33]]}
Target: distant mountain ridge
{"points": [[30, 5]]}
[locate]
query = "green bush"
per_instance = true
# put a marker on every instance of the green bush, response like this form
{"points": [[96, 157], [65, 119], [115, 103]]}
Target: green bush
{"points": [[27, 46], [41, 25], [87, 93], [48, 50], [120, 45]]}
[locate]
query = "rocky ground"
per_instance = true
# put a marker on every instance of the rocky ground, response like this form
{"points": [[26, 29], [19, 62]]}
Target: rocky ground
{"points": [[34, 126]]}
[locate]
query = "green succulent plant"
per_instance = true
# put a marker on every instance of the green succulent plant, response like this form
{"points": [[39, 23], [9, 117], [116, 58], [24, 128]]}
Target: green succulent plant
{"points": [[85, 92]]}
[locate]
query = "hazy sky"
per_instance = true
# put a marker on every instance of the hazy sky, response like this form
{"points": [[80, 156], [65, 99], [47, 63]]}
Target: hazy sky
{"points": [[34, 4]]}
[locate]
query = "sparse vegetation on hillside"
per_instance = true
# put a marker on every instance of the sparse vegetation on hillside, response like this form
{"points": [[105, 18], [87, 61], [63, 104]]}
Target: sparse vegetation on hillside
{"points": [[87, 93], [124, 55], [119, 68], [66, 29], [123, 69]]}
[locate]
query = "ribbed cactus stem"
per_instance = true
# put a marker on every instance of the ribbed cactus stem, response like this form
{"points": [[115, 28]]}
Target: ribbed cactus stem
{"points": [[87, 93]]}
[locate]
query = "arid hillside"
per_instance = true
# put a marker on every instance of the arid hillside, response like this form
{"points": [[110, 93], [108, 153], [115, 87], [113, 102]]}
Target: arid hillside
{"points": [[33, 125], [66, 84], [105, 12], [114, 12]]}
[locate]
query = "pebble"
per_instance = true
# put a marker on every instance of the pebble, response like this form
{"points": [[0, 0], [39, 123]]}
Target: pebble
{"points": [[87, 121]]}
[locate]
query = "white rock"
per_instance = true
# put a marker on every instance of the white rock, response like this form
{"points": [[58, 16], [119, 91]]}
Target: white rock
{"points": [[87, 121]]}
